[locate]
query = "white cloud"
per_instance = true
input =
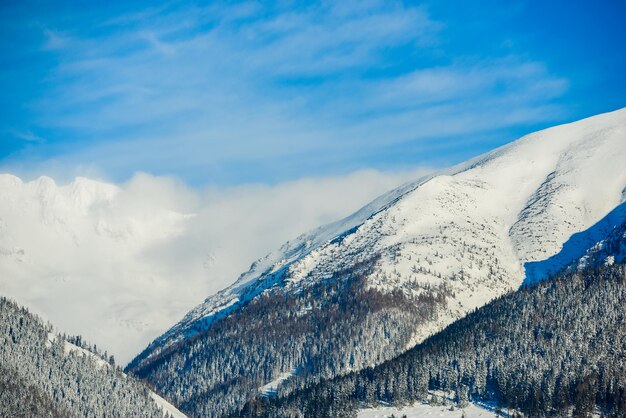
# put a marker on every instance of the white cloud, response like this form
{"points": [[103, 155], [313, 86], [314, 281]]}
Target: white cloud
{"points": [[119, 264]]}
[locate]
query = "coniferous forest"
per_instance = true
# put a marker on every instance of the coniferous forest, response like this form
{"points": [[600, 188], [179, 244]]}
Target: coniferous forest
{"points": [[42, 376], [553, 349]]}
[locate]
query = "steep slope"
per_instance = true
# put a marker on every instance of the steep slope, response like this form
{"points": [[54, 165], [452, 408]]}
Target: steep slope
{"points": [[556, 348], [404, 267], [41, 374]]}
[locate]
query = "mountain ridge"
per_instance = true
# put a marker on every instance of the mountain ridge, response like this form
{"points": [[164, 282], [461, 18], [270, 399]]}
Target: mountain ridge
{"points": [[403, 268], [521, 230]]}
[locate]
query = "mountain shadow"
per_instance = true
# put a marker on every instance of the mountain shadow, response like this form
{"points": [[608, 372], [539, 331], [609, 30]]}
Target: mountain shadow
{"points": [[574, 248]]}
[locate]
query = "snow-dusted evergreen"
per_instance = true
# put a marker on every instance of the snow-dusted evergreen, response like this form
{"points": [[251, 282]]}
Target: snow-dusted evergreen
{"points": [[362, 290], [21, 399], [43, 375]]}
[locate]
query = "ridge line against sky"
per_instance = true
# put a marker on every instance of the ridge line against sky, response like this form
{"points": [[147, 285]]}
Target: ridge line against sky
{"points": [[129, 260], [243, 92]]}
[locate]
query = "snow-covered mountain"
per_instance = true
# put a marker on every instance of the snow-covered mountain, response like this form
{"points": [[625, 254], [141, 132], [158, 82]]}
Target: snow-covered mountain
{"points": [[515, 205], [460, 237], [552, 335]]}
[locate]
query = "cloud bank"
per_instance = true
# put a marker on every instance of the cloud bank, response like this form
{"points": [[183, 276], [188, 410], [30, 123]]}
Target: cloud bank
{"points": [[120, 264]]}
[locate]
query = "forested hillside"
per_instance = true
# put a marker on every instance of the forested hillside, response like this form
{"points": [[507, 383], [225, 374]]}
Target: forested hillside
{"points": [[303, 332], [553, 349], [42, 375], [20, 399]]}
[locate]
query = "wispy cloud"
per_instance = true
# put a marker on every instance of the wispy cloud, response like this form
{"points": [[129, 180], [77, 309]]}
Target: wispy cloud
{"points": [[231, 90], [27, 136], [53, 40]]}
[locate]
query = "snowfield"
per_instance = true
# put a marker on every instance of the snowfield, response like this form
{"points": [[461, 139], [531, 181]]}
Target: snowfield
{"points": [[167, 407], [423, 409], [269, 389], [428, 411]]}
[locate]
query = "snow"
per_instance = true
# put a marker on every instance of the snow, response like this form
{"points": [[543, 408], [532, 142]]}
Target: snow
{"points": [[584, 245], [478, 227], [269, 389], [51, 338], [428, 409], [607, 251], [425, 410], [69, 348], [166, 406]]}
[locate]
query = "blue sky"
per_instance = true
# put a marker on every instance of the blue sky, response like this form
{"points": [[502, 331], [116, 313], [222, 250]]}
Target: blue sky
{"points": [[242, 92]]}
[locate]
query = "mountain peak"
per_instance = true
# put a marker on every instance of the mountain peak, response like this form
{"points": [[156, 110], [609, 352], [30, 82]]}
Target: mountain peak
{"points": [[567, 177], [447, 243]]}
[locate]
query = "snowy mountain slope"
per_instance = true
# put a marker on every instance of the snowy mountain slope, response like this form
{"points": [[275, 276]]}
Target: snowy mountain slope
{"points": [[424, 410], [589, 291], [437, 404], [98, 362], [472, 227], [412, 262]]}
